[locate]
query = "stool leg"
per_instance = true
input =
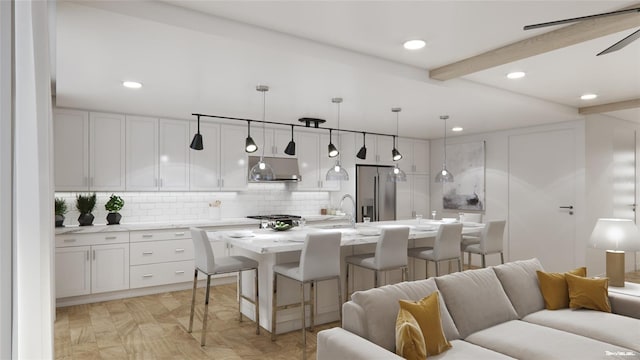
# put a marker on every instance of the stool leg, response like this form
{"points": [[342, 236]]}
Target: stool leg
{"points": [[304, 330], [339, 298], [274, 304], [437, 268], [193, 300], [459, 264], [257, 304], [203, 338], [239, 295], [484, 262], [426, 269], [469, 259], [501, 258], [375, 278], [346, 285]]}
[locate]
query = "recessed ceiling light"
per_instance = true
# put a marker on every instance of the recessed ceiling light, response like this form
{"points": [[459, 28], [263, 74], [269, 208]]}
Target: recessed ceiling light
{"points": [[588, 96], [457, 128], [414, 44], [516, 75], [132, 84]]}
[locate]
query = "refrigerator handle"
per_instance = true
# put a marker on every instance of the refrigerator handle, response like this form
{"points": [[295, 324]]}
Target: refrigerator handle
{"points": [[375, 198]]}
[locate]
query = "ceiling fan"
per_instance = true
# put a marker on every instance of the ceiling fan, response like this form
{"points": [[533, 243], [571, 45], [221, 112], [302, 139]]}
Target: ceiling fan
{"points": [[615, 47]]}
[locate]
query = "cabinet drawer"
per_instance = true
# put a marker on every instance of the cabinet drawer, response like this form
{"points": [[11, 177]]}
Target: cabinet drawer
{"points": [[151, 252], [66, 240], [161, 274], [151, 235]]}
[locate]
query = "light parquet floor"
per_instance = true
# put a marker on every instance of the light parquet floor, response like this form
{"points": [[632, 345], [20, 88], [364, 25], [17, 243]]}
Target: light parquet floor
{"points": [[154, 327]]}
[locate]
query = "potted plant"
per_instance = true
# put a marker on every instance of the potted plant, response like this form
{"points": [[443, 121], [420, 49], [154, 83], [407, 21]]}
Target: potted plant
{"points": [[114, 205], [85, 205], [60, 210]]}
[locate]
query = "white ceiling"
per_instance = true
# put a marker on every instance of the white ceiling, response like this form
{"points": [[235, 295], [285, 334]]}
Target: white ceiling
{"points": [[191, 59]]}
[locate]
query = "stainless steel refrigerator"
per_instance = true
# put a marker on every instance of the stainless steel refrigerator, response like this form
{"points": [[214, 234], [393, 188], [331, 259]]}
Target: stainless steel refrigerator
{"points": [[375, 196]]}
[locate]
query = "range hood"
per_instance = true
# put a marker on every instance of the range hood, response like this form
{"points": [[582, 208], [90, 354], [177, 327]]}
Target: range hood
{"points": [[285, 169]]}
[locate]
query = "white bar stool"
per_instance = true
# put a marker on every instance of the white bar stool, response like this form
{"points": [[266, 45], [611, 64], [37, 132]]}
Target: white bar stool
{"points": [[391, 254], [490, 241], [319, 260], [207, 264], [446, 247]]}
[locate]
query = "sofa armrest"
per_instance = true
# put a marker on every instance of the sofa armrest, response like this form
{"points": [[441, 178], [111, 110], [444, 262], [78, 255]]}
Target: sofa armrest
{"points": [[337, 343], [626, 305]]}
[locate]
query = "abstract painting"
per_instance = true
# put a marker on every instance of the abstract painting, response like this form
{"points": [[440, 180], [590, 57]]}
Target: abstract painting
{"points": [[466, 163]]}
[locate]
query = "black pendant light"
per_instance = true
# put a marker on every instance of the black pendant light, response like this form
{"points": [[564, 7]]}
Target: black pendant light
{"points": [[250, 145], [395, 154], [291, 147], [333, 151], [362, 153], [196, 143]]}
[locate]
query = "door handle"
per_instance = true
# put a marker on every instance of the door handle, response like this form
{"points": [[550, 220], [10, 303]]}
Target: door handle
{"points": [[570, 207]]}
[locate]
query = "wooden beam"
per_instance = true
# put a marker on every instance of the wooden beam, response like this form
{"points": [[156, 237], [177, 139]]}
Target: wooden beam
{"points": [[540, 44], [614, 106]]}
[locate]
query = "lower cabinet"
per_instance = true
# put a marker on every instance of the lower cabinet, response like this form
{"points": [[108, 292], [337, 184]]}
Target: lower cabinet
{"points": [[73, 271], [161, 273]]}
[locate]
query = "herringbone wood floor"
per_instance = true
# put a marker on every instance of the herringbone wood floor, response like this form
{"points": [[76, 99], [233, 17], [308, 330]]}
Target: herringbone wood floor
{"points": [[154, 327]]}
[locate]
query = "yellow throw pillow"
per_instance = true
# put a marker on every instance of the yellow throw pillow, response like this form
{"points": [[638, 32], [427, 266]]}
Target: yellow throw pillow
{"points": [[409, 340], [554, 288], [427, 314], [588, 293]]}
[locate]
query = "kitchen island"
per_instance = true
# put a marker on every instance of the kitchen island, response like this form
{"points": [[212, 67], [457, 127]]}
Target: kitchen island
{"points": [[270, 247]]}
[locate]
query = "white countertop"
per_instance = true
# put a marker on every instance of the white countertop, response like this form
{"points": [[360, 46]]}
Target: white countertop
{"points": [[263, 241]]}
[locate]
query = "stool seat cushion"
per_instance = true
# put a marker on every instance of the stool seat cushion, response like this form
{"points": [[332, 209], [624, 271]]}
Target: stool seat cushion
{"points": [[291, 270], [363, 260], [425, 253], [233, 264]]}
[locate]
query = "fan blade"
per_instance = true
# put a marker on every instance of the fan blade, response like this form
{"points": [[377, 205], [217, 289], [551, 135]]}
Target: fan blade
{"points": [[572, 20], [622, 43]]}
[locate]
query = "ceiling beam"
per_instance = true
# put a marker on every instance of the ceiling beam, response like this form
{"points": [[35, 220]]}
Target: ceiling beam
{"points": [[566, 36], [614, 106]]}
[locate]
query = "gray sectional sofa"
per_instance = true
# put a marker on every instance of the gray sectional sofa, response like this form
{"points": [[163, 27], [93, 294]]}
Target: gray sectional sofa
{"points": [[492, 313]]}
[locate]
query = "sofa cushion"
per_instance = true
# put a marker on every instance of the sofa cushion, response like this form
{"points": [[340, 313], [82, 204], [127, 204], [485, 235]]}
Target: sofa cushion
{"points": [[381, 307], [524, 340], [409, 340], [554, 288], [426, 311], [520, 283], [610, 328], [588, 293], [475, 299], [462, 350]]}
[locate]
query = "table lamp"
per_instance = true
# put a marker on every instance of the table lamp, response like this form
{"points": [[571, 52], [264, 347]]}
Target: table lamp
{"points": [[615, 236]]}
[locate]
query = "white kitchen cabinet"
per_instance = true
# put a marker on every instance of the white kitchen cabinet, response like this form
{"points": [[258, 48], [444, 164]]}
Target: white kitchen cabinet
{"points": [[412, 197], [109, 267], [204, 170], [233, 158], [142, 153], [73, 271], [275, 140], [106, 152], [173, 157], [415, 155], [307, 150], [379, 149], [71, 150]]}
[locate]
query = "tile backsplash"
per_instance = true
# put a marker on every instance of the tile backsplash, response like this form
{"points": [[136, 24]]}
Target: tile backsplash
{"points": [[259, 199]]}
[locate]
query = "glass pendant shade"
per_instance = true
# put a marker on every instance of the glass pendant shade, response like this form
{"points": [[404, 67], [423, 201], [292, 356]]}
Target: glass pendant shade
{"points": [[396, 175], [444, 176], [261, 171], [196, 143], [337, 173]]}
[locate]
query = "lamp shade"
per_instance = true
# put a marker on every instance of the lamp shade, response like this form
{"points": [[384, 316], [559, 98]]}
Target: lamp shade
{"points": [[337, 173], [196, 143], [615, 235]]}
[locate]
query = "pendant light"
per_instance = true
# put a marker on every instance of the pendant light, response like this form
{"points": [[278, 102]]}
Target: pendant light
{"points": [[196, 143], [396, 174], [262, 170], [444, 176], [291, 147], [332, 150], [337, 172], [362, 153], [250, 145]]}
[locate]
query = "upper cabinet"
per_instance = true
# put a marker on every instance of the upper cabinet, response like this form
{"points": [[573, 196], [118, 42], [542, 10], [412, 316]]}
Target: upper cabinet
{"points": [[379, 149], [106, 152], [415, 155], [313, 161], [71, 150], [275, 140], [142, 153], [233, 158], [204, 165], [173, 155]]}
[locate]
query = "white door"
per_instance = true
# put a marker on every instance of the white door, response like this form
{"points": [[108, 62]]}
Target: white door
{"points": [[142, 153], [307, 147], [420, 156], [233, 158], [109, 267], [71, 150], [420, 195], [174, 155], [106, 152], [542, 183], [624, 174], [204, 170], [73, 271], [404, 202]]}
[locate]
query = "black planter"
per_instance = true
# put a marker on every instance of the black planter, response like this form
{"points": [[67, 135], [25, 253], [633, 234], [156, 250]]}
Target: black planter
{"points": [[85, 219], [113, 218], [59, 220]]}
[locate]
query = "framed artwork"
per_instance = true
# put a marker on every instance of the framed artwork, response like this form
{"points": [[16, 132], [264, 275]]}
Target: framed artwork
{"points": [[467, 164]]}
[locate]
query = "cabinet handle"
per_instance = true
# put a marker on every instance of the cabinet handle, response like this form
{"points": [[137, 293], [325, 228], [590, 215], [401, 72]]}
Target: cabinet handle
{"points": [[110, 237], [147, 275], [94, 254], [180, 272], [179, 250], [146, 236], [69, 240], [147, 253], [179, 234]]}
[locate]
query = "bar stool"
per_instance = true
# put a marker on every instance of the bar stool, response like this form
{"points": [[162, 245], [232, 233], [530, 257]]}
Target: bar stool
{"points": [[391, 254], [490, 241], [471, 238], [319, 260], [207, 264], [446, 247]]}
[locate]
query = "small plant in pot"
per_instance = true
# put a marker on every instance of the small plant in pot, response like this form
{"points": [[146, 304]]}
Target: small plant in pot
{"points": [[114, 205], [60, 210], [85, 205]]}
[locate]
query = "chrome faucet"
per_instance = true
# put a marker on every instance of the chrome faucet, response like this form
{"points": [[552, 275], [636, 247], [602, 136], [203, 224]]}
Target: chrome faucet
{"points": [[352, 216]]}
